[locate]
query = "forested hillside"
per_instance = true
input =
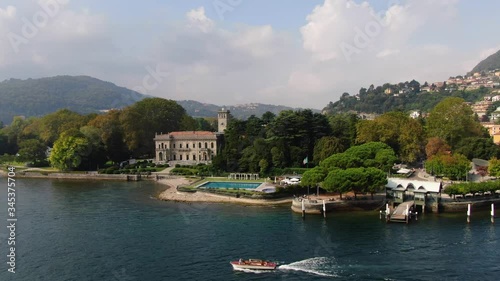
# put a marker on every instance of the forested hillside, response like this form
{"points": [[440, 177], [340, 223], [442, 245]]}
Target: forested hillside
{"points": [[82, 94], [401, 97], [241, 111], [490, 63]]}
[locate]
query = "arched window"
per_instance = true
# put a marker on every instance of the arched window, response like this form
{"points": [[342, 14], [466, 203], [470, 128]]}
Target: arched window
{"points": [[187, 145], [180, 145], [199, 145], [212, 145], [206, 145], [160, 156]]}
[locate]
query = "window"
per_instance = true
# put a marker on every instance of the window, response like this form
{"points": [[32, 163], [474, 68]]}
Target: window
{"points": [[187, 145], [173, 145], [175, 157], [199, 145], [194, 157], [180, 157], [212, 145], [206, 145], [180, 145], [187, 156]]}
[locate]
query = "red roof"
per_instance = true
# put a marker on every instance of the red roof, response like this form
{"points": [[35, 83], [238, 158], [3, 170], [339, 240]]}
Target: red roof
{"points": [[188, 135], [197, 133]]}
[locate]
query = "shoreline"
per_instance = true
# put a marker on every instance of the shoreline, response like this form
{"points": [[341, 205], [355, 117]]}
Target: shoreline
{"points": [[171, 193]]}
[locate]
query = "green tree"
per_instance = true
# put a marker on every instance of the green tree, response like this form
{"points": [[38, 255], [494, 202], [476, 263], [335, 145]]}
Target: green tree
{"points": [[453, 120], [476, 147], [14, 133], [344, 127], [50, 126], [264, 166], [454, 166], [111, 135], [494, 167], [141, 121], [96, 157], [325, 147], [33, 151], [314, 176], [403, 134], [69, 150], [335, 182], [377, 179]]}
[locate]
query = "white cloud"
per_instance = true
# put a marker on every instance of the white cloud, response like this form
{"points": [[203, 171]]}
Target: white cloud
{"points": [[198, 19]]}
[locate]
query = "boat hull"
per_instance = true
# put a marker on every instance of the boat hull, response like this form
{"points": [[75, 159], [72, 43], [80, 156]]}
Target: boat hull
{"points": [[243, 265]]}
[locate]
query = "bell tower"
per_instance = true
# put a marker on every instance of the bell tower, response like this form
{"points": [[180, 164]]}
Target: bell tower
{"points": [[223, 118]]}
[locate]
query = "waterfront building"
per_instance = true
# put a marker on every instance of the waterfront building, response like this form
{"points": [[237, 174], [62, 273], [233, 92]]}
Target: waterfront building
{"points": [[191, 147], [426, 194]]}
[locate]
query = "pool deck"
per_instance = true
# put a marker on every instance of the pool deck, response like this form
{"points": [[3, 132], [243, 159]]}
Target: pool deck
{"points": [[262, 185], [171, 194]]}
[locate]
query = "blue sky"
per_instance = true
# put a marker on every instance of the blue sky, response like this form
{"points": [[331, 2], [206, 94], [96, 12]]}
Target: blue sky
{"points": [[296, 53]]}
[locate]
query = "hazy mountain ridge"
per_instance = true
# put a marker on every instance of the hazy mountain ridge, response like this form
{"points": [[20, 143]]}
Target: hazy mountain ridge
{"points": [[83, 94], [490, 63], [240, 111]]}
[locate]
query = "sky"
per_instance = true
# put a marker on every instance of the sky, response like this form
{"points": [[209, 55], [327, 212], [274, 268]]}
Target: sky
{"points": [[297, 53]]}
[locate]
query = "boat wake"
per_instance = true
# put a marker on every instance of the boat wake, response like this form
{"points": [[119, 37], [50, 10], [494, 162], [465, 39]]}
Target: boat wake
{"points": [[321, 266]]}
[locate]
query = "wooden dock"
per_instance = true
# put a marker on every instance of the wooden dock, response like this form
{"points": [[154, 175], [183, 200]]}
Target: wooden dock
{"points": [[401, 214]]}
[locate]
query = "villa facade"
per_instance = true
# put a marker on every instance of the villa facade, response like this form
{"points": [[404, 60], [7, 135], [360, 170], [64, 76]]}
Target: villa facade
{"points": [[191, 147]]}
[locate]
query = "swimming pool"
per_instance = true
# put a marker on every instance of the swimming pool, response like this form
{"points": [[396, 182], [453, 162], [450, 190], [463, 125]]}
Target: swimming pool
{"points": [[228, 184]]}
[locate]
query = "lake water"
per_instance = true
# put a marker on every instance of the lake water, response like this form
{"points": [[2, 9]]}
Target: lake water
{"points": [[117, 231]]}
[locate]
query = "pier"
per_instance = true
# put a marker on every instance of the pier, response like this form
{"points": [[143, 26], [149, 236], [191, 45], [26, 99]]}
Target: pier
{"points": [[403, 212]]}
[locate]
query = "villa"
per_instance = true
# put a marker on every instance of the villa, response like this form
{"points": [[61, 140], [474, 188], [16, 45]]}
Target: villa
{"points": [[191, 147]]}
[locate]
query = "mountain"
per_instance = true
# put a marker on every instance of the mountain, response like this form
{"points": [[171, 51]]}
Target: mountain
{"points": [[83, 94], [242, 111], [490, 63]]}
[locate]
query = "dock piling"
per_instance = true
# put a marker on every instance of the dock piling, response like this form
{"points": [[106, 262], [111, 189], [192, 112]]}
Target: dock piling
{"points": [[303, 210], [324, 209], [492, 213], [468, 213]]}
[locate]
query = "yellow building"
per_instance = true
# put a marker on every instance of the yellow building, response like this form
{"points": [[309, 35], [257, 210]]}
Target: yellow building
{"points": [[496, 138]]}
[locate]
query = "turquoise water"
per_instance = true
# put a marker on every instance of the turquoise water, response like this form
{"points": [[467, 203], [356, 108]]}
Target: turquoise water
{"points": [[117, 231], [245, 185]]}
